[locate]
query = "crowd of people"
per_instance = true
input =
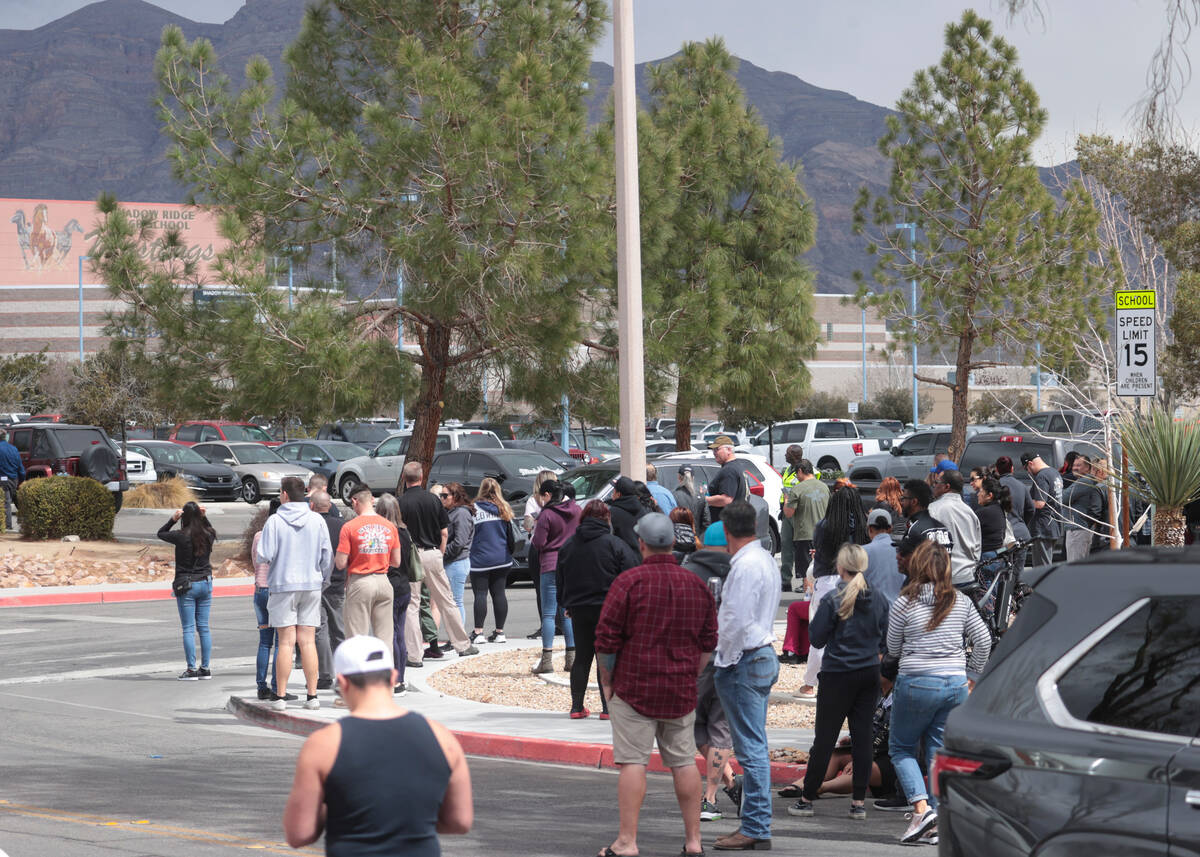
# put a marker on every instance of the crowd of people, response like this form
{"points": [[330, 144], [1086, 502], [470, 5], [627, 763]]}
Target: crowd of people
{"points": [[672, 598]]}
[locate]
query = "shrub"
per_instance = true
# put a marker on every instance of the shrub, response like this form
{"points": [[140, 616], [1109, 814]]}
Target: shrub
{"points": [[168, 494], [57, 506]]}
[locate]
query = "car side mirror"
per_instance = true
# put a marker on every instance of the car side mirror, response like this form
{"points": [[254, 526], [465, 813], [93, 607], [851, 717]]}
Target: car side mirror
{"points": [[230, 461], [318, 459], [491, 474], [371, 454], [897, 450]]}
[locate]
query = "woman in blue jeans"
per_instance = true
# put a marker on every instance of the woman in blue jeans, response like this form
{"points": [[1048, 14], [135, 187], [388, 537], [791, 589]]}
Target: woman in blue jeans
{"points": [[926, 628], [457, 559], [193, 583], [556, 523]]}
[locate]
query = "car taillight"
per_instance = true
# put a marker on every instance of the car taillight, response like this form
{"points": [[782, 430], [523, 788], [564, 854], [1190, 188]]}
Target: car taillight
{"points": [[757, 490], [857, 447], [1011, 438], [948, 763]]}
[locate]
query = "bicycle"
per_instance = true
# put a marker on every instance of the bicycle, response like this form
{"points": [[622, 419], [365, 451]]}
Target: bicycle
{"points": [[997, 592]]}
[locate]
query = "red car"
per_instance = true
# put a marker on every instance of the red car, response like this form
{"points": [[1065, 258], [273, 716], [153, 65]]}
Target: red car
{"points": [[192, 432]]}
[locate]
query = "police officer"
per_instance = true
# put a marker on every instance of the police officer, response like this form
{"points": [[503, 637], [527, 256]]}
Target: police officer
{"points": [[791, 478]]}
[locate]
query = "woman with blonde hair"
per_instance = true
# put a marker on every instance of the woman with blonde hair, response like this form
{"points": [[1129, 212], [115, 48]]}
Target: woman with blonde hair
{"points": [[850, 623], [928, 623], [491, 558]]}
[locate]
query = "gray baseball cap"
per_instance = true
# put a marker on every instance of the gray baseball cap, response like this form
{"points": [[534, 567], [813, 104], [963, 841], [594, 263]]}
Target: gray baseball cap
{"points": [[656, 530]]}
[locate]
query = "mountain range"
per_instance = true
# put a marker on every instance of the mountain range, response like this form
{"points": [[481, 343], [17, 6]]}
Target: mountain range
{"points": [[76, 115]]}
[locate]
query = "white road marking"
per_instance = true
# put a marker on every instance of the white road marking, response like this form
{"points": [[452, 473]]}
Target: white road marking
{"points": [[16, 631], [219, 665], [105, 620]]}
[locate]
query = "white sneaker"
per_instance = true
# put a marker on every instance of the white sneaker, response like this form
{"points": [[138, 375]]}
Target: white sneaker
{"points": [[497, 637], [930, 838], [477, 637], [312, 703], [276, 704], [919, 826]]}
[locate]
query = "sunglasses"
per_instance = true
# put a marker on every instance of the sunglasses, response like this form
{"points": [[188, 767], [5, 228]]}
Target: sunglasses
{"points": [[443, 494]]}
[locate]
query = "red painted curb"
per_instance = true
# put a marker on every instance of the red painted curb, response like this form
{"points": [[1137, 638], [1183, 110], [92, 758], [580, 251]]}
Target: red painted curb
{"points": [[492, 746], [43, 599]]}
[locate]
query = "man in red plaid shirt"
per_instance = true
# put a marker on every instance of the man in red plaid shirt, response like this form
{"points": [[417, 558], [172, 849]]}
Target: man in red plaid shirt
{"points": [[656, 633]]}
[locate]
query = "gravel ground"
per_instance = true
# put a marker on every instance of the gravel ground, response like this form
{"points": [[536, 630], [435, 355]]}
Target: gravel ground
{"points": [[503, 678]]}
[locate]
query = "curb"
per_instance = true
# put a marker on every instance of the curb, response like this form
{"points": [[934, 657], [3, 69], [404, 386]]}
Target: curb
{"points": [[161, 592], [492, 746]]}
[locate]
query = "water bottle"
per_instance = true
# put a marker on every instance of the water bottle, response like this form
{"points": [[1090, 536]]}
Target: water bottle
{"points": [[714, 586]]}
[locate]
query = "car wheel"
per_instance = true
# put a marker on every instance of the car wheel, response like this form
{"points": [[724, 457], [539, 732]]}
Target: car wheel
{"points": [[828, 466], [776, 543], [118, 500], [347, 488], [250, 492]]}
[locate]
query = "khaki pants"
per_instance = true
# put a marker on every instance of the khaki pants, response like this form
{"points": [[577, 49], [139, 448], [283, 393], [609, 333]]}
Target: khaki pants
{"points": [[442, 600], [368, 608]]}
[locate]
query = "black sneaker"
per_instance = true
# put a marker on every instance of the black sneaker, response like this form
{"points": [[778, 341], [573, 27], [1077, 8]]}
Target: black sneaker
{"points": [[400, 690], [265, 693], [204, 673], [324, 684], [434, 651], [734, 793], [536, 635], [497, 637], [189, 675], [445, 647], [288, 697], [414, 665], [801, 809], [895, 803]]}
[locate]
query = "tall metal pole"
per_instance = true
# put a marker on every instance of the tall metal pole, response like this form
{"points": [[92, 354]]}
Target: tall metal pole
{"points": [[400, 332], [81, 258], [289, 282], [566, 424], [1038, 367], [630, 368], [912, 243]]}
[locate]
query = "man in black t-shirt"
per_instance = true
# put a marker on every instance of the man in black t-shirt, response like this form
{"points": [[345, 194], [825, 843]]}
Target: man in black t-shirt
{"points": [[428, 523], [730, 482]]}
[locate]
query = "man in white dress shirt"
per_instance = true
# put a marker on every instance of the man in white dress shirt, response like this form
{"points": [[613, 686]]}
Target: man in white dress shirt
{"points": [[747, 668]]}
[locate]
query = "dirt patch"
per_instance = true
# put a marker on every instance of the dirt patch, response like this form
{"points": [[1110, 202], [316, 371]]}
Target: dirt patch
{"points": [[503, 678], [25, 564]]}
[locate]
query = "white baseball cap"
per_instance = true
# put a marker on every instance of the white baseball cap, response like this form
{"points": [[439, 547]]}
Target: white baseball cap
{"points": [[362, 654]]}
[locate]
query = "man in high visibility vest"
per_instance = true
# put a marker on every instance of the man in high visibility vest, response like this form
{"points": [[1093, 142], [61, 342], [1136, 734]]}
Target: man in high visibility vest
{"points": [[791, 478]]}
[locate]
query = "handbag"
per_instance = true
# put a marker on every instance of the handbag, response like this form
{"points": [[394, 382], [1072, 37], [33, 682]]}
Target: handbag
{"points": [[180, 586], [1010, 538], [414, 569]]}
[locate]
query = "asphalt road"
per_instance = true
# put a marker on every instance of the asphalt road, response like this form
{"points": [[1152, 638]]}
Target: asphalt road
{"points": [[105, 755], [229, 518]]}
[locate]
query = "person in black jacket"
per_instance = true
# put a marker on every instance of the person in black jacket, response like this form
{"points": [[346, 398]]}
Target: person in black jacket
{"points": [[625, 509], [193, 583], [587, 564]]}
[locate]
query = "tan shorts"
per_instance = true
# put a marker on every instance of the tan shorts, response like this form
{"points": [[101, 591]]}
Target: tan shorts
{"points": [[634, 735]]}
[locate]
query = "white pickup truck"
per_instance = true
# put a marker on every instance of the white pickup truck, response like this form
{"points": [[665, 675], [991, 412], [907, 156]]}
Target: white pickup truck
{"points": [[830, 444]]}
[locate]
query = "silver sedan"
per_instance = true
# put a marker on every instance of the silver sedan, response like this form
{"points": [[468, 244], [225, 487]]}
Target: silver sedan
{"points": [[260, 468]]}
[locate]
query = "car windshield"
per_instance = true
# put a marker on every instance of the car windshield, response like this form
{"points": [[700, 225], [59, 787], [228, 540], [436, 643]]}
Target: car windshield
{"points": [[589, 481], [253, 454], [343, 451], [173, 454], [479, 440], [600, 443], [73, 441], [875, 431], [529, 464], [244, 432]]}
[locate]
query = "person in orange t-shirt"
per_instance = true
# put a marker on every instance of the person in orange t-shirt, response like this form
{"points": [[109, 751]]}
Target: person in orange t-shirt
{"points": [[367, 546]]}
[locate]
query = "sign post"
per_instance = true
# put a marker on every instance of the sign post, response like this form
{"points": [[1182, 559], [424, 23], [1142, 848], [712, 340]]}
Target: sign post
{"points": [[1135, 341]]}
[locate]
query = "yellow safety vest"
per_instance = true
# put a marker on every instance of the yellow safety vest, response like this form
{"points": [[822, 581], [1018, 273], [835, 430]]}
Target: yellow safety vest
{"points": [[790, 477]]}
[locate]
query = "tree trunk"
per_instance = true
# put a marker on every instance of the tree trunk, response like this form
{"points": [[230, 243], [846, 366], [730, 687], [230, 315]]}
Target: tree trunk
{"points": [[1168, 527], [683, 424], [428, 409], [958, 429]]}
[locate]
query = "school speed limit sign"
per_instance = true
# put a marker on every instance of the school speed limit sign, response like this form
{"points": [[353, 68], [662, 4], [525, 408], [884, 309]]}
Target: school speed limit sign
{"points": [[1136, 363]]}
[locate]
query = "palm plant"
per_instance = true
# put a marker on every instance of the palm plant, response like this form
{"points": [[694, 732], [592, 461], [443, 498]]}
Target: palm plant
{"points": [[1166, 454]]}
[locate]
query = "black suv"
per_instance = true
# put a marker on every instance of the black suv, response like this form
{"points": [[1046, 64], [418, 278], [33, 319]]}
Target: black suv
{"points": [[48, 449], [1081, 737]]}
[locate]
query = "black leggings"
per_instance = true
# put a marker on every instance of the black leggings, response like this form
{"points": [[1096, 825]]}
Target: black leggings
{"points": [[495, 581], [585, 619], [843, 696]]}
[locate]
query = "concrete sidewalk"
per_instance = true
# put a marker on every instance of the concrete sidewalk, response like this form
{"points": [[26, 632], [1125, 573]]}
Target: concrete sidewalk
{"points": [[497, 731], [111, 593]]}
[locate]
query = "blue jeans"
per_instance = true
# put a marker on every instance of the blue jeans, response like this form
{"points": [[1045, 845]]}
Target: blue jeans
{"points": [[548, 586], [920, 706], [457, 572], [266, 637], [744, 689], [194, 606]]}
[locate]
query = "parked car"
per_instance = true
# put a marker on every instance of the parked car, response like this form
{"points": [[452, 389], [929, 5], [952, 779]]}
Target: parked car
{"points": [[908, 459], [552, 451], [365, 433], [158, 432], [1063, 421], [139, 467], [380, 468], [830, 444], [984, 448], [884, 435], [259, 467], [76, 450], [1081, 735], [46, 418], [210, 431], [594, 481], [12, 418], [323, 456], [894, 426], [514, 469], [206, 479]]}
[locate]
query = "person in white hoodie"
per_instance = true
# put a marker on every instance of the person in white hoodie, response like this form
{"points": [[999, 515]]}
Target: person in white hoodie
{"points": [[956, 516], [295, 544]]}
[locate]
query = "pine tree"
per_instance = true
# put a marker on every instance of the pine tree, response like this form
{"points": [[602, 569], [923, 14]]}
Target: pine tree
{"points": [[438, 140], [996, 261], [728, 303]]}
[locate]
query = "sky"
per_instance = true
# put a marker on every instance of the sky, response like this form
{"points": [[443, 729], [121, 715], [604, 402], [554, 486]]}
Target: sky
{"points": [[1087, 59]]}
